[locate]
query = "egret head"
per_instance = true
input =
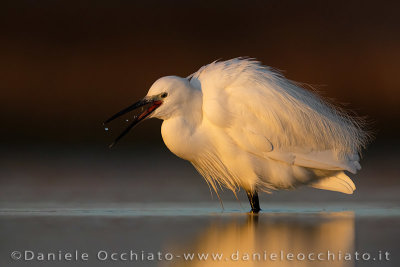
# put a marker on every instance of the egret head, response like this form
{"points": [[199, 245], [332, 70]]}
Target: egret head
{"points": [[174, 94], [164, 99]]}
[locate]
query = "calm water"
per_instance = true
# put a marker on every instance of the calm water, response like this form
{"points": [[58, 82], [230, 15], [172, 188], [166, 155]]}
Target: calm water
{"points": [[154, 210], [176, 230]]}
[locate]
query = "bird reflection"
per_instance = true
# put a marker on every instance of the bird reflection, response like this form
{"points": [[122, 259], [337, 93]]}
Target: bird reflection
{"points": [[249, 241]]}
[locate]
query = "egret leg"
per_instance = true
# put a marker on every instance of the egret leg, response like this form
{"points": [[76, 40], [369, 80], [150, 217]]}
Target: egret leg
{"points": [[254, 202]]}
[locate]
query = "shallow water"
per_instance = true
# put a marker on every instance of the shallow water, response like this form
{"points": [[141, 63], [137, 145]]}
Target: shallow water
{"points": [[157, 208], [165, 209], [177, 230]]}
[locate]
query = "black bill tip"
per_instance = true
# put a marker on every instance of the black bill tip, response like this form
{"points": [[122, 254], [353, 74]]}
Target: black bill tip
{"points": [[112, 145], [145, 112]]}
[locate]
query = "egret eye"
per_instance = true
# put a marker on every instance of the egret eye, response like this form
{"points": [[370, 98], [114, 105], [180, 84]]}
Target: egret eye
{"points": [[164, 95]]}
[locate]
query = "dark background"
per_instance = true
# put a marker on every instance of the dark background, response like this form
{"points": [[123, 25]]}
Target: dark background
{"points": [[65, 66]]}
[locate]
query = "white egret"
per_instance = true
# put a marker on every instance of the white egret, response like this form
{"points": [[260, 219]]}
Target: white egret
{"points": [[244, 125]]}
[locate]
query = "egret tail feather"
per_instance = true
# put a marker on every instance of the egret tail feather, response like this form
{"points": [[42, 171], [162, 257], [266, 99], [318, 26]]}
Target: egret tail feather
{"points": [[339, 183]]}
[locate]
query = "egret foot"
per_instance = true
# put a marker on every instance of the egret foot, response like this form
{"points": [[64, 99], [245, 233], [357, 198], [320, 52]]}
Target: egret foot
{"points": [[253, 199]]}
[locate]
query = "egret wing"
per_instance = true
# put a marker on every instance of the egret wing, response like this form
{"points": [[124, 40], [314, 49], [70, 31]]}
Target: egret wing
{"points": [[270, 116], [325, 160]]}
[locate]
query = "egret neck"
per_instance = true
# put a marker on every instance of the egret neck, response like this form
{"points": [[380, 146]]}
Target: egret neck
{"points": [[180, 127]]}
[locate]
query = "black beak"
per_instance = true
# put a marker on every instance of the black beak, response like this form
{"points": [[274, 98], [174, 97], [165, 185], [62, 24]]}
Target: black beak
{"points": [[154, 104]]}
